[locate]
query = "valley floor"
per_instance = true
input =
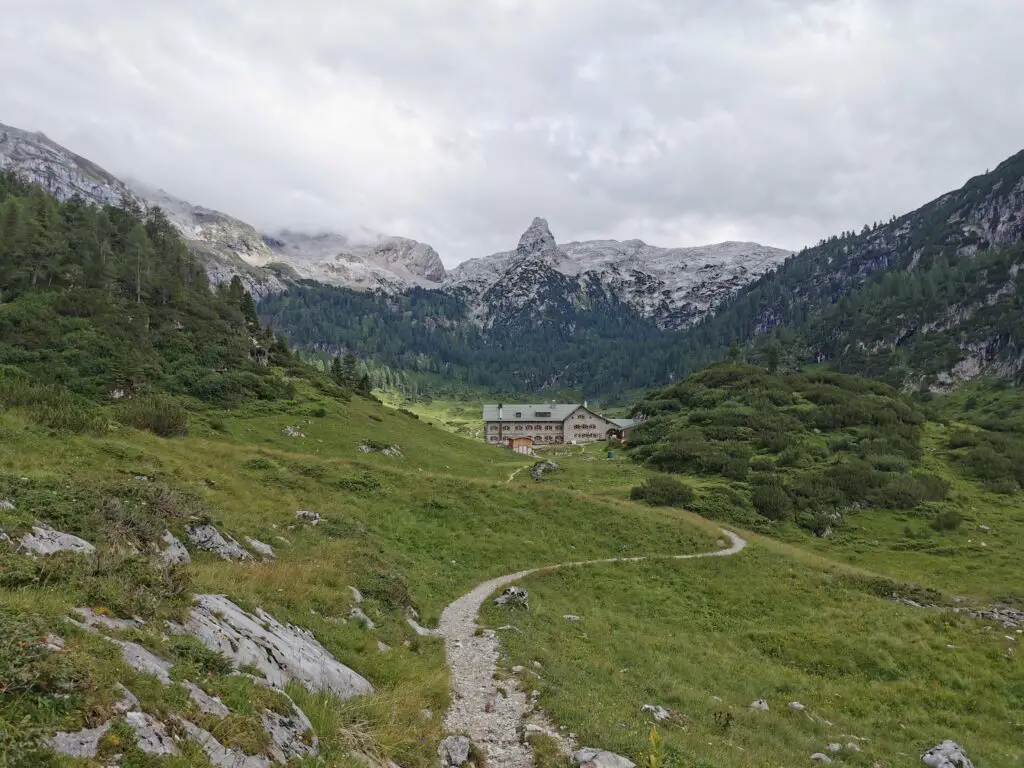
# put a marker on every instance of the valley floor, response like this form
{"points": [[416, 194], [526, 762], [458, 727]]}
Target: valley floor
{"points": [[804, 620]]}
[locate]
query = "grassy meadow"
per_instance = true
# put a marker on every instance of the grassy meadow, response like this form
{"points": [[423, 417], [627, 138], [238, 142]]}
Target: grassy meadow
{"points": [[414, 531]]}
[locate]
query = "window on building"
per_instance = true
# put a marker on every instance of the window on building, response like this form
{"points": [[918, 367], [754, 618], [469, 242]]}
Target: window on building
{"points": [[519, 414]]}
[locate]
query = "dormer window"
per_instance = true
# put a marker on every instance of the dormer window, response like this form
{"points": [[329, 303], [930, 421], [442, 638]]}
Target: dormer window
{"points": [[519, 414], [543, 414]]}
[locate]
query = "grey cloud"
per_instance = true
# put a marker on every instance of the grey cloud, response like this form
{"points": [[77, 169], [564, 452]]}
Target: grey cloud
{"points": [[457, 121]]}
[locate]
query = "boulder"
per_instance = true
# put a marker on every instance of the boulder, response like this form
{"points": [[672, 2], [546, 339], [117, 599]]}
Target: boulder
{"points": [[207, 537], [175, 552], [537, 470], [797, 706], [759, 704], [356, 595], [260, 547], [599, 758], [948, 754], [6, 505], [83, 743], [310, 517], [44, 540], [571, 617], [150, 735], [513, 596], [280, 652], [291, 431], [92, 619], [454, 751], [821, 757], [834, 747]]}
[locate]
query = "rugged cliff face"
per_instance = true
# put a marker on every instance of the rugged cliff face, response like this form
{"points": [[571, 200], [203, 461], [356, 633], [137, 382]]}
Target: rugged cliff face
{"points": [[674, 287], [927, 298]]}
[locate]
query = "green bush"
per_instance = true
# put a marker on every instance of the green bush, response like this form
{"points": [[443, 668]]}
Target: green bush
{"points": [[663, 491], [771, 500], [197, 656], [160, 414], [948, 519]]}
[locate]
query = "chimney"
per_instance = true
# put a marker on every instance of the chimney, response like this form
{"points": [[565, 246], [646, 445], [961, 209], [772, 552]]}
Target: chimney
{"points": [[500, 406]]}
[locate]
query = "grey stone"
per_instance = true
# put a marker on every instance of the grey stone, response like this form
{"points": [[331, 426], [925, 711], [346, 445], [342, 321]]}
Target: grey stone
{"points": [[514, 596], [538, 470], [92, 619], [588, 757], [127, 702], [797, 706], [821, 757], [571, 617], [144, 661], [44, 540], [53, 642], [833, 747], [281, 652], [383, 647], [759, 704], [210, 705], [291, 431], [175, 552], [948, 754], [150, 735], [207, 537], [83, 743], [659, 713], [454, 751], [219, 755], [356, 614], [6, 505], [310, 517], [288, 733], [260, 547], [356, 595]]}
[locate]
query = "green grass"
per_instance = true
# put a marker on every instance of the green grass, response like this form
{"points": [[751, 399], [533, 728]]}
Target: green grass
{"points": [[416, 530], [765, 624]]}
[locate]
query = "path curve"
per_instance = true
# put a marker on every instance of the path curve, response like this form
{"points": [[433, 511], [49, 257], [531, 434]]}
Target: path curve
{"points": [[491, 712], [512, 476]]}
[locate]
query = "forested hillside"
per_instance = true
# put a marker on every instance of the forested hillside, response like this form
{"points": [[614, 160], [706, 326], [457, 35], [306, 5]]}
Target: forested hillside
{"points": [[916, 296], [108, 304], [602, 347]]}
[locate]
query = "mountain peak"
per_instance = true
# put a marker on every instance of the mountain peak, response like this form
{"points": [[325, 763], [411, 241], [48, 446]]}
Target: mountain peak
{"points": [[537, 240]]}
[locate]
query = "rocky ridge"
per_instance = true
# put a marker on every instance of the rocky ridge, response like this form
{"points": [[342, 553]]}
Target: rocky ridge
{"points": [[673, 286]]}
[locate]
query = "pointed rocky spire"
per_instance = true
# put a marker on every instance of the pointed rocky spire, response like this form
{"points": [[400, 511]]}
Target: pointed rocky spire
{"points": [[536, 240]]}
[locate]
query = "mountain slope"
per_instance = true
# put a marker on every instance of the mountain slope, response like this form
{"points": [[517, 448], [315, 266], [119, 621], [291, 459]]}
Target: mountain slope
{"points": [[227, 246], [840, 296], [675, 287]]}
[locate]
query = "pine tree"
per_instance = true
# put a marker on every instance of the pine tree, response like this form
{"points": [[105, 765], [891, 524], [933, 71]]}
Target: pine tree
{"points": [[349, 364]]}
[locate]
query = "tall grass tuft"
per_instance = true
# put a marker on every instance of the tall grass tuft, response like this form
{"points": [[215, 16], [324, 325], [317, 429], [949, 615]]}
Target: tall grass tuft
{"points": [[160, 414]]}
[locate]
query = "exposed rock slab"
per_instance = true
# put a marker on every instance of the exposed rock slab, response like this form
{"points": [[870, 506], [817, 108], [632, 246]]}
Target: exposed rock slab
{"points": [[44, 540], [289, 734], [83, 743], [208, 538], [150, 735], [219, 755], [587, 757], [281, 652], [260, 547], [174, 552]]}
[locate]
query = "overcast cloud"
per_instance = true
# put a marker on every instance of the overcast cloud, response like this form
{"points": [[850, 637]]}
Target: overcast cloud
{"points": [[454, 122]]}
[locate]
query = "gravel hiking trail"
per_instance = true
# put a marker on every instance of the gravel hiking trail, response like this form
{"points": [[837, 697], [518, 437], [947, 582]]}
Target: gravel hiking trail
{"points": [[494, 713]]}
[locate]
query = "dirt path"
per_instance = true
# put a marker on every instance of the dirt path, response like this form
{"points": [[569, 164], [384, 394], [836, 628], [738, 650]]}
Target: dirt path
{"points": [[512, 476], [491, 712]]}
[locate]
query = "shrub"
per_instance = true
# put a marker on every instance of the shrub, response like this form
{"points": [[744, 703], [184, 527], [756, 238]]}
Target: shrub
{"points": [[192, 652], [663, 491], [319, 413], [771, 500], [160, 414], [947, 520]]}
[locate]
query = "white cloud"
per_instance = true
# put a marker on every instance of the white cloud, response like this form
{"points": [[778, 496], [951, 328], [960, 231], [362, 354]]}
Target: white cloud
{"points": [[457, 121]]}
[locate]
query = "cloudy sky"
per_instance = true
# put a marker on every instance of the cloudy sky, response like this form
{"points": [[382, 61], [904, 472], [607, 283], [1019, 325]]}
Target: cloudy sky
{"points": [[680, 122]]}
